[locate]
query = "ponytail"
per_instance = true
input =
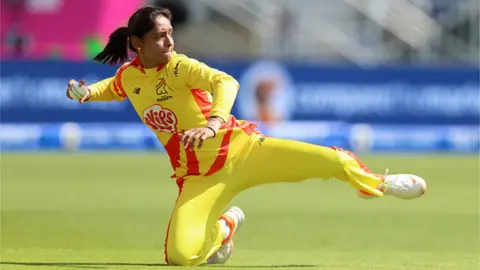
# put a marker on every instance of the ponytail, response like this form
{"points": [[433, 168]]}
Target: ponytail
{"points": [[116, 49]]}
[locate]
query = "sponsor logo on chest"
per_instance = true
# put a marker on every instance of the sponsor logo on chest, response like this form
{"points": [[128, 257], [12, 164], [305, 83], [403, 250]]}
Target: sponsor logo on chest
{"points": [[160, 119]]}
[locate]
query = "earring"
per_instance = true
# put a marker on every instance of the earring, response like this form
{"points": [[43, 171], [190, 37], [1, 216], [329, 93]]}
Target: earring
{"points": [[138, 49]]}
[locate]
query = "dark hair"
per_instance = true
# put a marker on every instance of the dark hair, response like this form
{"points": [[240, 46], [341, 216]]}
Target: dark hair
{"points": [[140, 23]]}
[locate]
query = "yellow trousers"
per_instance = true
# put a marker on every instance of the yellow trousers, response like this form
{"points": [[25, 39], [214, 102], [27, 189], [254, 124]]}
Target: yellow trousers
{"points": [[194, 233]]}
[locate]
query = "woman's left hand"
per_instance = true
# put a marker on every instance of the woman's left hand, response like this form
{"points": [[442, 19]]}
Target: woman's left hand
{"points": [[190, 137]]}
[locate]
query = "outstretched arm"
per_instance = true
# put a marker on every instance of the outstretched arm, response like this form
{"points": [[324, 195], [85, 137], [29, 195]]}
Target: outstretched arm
{"points": [[109, 89], [106, 90]]}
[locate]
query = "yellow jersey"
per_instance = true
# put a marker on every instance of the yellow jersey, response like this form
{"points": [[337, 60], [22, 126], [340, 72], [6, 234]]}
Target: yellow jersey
{"points": [[178, 96]]}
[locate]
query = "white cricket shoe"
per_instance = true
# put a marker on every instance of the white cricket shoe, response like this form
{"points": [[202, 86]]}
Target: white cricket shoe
{"points": [[403, 186], [233, 216]]}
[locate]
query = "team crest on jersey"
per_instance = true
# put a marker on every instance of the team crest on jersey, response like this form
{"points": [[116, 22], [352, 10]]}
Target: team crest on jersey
{"points": [[160, 119], [163, 91], [162, 87]]}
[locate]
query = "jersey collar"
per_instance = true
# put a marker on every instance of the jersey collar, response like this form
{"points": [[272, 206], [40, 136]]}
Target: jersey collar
{"points": [[137, 64]]}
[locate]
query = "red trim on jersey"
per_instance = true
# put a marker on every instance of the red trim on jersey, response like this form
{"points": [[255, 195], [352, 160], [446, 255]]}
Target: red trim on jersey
{"points": [[117, 90], [160, 67], [136, 63], [180, 182], [117, 84], [201, 98], [173, 149], [247, 127], [222, 154]]}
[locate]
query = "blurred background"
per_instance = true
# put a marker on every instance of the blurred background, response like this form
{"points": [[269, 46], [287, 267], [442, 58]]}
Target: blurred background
{"points": [[367, 75]]}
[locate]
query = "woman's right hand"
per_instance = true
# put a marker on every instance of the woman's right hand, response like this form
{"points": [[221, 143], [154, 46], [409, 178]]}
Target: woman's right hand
{"points": [[86, 92]]}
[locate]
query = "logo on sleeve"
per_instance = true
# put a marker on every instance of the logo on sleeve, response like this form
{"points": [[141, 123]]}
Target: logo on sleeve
{"points": [[176, 68], [160, 119]]}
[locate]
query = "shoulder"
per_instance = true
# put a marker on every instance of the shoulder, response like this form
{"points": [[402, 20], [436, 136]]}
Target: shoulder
{"points": [[181, 63], [133, 67], [120, 74], [121, 70], [181, 59]]}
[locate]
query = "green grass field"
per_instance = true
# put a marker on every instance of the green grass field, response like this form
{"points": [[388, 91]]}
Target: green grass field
{"points": [[110, 211]]}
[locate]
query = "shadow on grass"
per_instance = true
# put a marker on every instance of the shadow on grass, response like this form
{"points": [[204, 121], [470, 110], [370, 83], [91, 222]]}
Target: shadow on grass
{"points": [[265, 266], [82, 264], [90, 265]]}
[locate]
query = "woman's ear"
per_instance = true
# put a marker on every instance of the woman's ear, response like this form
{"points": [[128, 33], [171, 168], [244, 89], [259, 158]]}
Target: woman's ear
{"points": [[136, 43]]}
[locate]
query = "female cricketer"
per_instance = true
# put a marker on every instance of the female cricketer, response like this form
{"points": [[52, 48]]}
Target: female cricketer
{"points": [[214, 156]]}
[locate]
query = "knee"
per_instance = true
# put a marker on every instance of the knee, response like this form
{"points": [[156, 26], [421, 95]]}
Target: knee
{"points": [[181, 256]]}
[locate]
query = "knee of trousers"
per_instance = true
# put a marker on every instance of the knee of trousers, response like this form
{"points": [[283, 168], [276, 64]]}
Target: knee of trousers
{"points": [[182, 255]]}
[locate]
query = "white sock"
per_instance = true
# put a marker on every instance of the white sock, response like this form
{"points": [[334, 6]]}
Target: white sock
{"points": [[226, 227]]}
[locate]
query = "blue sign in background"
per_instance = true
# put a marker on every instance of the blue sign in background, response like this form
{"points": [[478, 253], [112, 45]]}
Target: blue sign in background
{"points": [[136, 137], [35, 92]]}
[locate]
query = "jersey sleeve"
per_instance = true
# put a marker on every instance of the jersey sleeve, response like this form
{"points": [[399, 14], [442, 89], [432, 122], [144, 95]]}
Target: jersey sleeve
{"points": [[222, 86], [109, 89]]}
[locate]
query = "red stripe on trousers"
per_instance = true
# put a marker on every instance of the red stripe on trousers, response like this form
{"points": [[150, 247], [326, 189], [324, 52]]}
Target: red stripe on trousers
{"points": [[180, 182], [247, 127], [193, 167], [205, 106], [201, 98], [222, 154]]}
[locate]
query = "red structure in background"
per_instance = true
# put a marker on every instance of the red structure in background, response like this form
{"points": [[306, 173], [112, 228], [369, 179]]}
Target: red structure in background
{"points": [[45, 29]]}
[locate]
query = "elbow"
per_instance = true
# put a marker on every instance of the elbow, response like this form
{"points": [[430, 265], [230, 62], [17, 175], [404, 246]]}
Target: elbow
{"points": [[235, 82], [228, 83], [224, 95]]}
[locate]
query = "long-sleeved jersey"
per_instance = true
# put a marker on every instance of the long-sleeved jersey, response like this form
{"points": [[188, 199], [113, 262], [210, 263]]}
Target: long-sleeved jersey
{"points": [[179, 96]]}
